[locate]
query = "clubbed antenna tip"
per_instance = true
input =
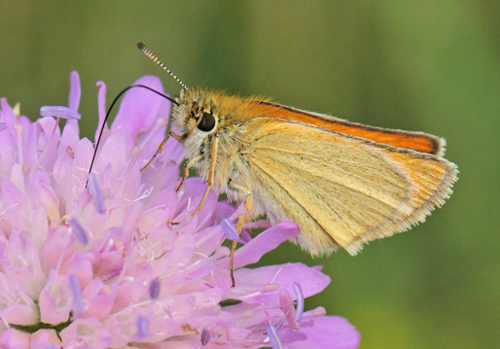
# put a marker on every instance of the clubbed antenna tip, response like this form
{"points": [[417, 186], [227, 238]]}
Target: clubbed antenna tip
{"points": [[155, 59]]}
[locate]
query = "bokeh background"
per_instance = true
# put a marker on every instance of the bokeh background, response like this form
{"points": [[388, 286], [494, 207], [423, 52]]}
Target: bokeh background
{"points": [[425, 65]]}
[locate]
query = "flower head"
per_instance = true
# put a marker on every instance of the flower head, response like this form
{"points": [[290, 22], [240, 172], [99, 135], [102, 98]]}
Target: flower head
{"points": [[95, 260]]}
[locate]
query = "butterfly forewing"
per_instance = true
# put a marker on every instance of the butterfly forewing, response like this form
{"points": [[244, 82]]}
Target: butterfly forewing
{"points": [[341, 190]]}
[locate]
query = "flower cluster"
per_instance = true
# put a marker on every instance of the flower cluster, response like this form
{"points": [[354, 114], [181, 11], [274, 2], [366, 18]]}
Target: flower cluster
{"points": [[94, 261]]}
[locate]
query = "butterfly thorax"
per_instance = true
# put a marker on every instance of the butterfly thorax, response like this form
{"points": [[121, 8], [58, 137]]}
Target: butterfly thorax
{"points": [[194, 125]]}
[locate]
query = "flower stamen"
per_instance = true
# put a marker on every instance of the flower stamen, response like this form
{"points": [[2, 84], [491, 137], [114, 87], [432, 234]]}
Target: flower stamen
{"points": [[286, 303], [273, 337], [76, 291], [142, 325], [154, 289], [96, 194], [205, 336], [60, 111], [300, 301], [79, 232], [230, 230]]}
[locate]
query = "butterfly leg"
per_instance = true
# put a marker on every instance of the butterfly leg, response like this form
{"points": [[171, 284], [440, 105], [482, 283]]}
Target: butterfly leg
{"points": [[161, 146], [211, 172], [185, 175], [245, 217]]}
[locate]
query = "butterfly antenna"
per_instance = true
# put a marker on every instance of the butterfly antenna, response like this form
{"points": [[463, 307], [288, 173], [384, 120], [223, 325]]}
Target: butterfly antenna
{"points": [[155, 59], [98, 141]]}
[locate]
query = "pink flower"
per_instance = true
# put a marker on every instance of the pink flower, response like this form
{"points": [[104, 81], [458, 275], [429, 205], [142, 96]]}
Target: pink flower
{"points": [[101, 265]]}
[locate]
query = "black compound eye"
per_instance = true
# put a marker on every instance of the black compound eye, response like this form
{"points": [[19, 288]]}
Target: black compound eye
{"points": [[207, 122]]}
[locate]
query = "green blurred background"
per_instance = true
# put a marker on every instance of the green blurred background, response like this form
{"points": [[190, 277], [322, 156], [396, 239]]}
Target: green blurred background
{"points": [[425, 65]]}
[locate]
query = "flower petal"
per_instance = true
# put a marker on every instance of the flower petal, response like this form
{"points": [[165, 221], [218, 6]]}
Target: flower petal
{"points": [[266, 241], [75, 91], [148, 105], [332, 332], [285, 275]]}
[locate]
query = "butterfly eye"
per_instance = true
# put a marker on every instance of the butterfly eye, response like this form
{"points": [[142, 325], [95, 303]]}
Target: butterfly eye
{"points": [[207, 122]]}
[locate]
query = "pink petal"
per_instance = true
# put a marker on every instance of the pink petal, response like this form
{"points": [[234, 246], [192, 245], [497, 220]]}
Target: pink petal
{"points": [[7, 113], [20, 314], [333, 332], [75, 91], [44, 339], [266, 241], [87, 333], [14, 339], [140, 108], [54, 300], [285, 275]]}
